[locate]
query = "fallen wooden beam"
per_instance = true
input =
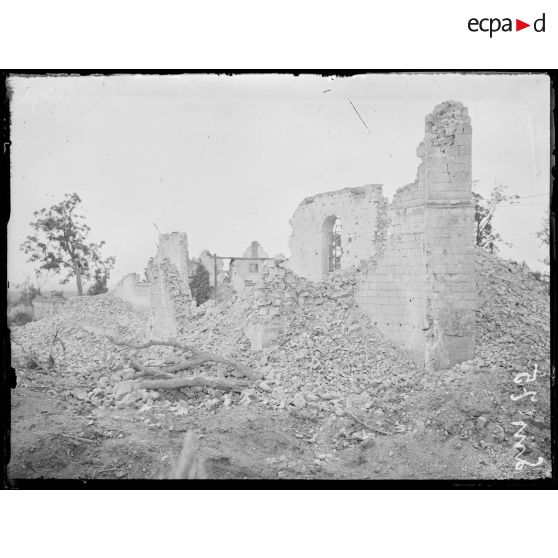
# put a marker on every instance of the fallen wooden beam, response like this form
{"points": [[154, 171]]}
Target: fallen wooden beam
{"points": [[202, 357]]}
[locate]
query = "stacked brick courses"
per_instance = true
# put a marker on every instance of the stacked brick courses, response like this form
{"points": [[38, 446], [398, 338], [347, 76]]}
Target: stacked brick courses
{"points": [[421, 291]]}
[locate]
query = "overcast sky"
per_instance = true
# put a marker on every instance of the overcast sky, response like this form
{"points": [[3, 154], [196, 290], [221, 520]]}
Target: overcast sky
{"points": [[227, 159]]}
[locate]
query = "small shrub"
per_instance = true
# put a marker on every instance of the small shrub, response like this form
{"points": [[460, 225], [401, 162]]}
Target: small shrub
{"points": [[27, 293], [20, 317], [199, 285], [100, 284]]}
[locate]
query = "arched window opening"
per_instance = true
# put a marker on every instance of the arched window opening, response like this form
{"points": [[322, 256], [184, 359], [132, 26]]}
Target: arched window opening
{"points": [[332, 249], [336, 249]]}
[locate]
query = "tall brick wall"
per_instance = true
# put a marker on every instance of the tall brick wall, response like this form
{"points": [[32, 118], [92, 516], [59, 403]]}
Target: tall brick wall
{"points": [[449, 254], [420, 292], [358, 209], [393, 292]]}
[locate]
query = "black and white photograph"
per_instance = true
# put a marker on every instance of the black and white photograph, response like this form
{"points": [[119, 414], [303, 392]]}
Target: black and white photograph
{"points": [[279, 276]]}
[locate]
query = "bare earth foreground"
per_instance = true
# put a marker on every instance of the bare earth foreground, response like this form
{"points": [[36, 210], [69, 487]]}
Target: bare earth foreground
{"points": [[335, 400]]}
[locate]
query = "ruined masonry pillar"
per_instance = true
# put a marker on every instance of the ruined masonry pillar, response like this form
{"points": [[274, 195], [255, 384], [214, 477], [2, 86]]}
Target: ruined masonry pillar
{"points": [[445, 173], [420, 293], [170, 292]]}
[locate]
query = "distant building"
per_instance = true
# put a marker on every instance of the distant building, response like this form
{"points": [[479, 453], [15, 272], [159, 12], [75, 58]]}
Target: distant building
{"points": [[246, 273], [208, 261]]}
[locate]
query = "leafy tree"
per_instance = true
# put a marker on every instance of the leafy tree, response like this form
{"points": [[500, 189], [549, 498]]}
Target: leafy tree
{"points": [[485, 209], [544, 235], [60, 244], [100, 285], [199, 285]]}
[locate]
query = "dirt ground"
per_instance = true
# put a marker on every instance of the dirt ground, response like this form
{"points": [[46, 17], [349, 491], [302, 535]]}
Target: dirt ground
{"points": [[58, 436]]}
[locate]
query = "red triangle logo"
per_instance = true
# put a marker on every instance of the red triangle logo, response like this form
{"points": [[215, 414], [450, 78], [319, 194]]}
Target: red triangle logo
{"points": [[519, 25]]}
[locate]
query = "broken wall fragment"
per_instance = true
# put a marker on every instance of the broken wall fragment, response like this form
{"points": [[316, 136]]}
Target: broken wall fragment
{"points": [[421, 291], [336, 230]]}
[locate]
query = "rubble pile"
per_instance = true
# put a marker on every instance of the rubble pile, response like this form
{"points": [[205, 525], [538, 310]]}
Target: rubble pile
{"points": [[282, 292], [513, 322], [74, 343], [107, 314], [326, 355], [326, 360], [483, 399], [282, 295]]}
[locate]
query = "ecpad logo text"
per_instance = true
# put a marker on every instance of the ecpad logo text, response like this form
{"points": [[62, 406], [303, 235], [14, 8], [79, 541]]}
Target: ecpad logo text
{"points": [[493, 25]]}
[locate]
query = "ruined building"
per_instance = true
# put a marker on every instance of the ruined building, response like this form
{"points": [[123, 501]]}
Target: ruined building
{"points": [[336, 230], [166, 293], [247, 273], [415, 256], [421, 292], [418, 288]]}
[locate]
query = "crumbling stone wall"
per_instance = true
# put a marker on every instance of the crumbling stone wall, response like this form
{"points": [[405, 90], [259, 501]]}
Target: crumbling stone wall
{"points": [[174, 247], [166, 294], [281, 295], [170, 301], [47, 306], [272, 302], [149, 270], [170, 293], [420, 290], [134, 291], [360, 211]]}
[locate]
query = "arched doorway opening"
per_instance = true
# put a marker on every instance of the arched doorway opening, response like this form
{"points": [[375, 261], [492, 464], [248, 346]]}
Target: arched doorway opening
{"points": [[332, 249]]}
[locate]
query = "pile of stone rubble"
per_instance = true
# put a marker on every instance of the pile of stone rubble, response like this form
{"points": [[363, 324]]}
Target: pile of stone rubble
{"points": [[483, 399], [324, 356], [323, 359], [74, 343], [513, 322]]}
